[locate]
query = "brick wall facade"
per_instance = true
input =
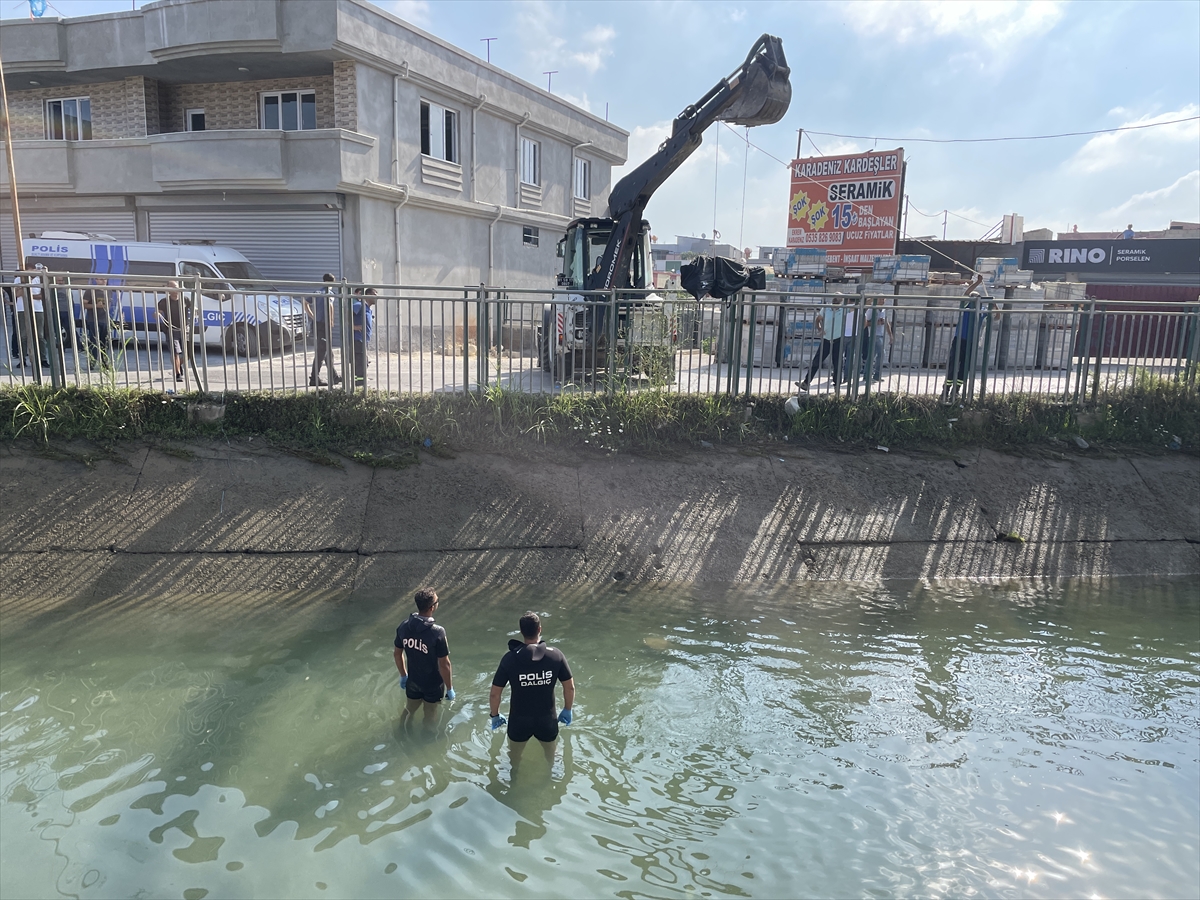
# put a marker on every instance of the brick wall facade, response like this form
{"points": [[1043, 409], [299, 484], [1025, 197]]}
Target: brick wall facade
{"points": [[234, 104], [110, 110], [345, 95], [135, 107], [150, 91], [139, 106]]}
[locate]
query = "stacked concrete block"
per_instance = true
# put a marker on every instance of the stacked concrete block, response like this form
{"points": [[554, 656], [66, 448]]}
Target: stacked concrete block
{"points": [[1002, 271], [906, 267], [1018, 329], [805, 261], [1065, 291], [941, 318], [1054, 339], [798, 333], [908, 330], [803, 286]]}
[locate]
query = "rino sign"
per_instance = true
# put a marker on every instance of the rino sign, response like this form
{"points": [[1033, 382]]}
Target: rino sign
{"points": [[1162, 257]]}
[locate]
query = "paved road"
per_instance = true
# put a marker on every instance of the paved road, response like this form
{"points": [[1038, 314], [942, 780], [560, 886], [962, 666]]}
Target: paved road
{"points": [[430, 371]]}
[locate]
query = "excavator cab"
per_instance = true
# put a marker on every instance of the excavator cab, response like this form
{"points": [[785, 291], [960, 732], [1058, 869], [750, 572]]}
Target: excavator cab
{"points": [[583, 246], [766, 86], [576, 329]]}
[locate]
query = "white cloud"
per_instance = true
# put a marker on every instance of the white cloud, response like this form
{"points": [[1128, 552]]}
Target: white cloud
{"points": [[600, 40], [414, 11], [988, 23], [644, 141], [582, 102], [685, 203], [1179, 201], [831, 146], [544, 31], [1124, 148]]}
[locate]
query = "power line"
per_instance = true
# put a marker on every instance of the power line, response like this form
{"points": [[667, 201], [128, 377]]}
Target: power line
{"points": [[932, 250], [950, 211], [992, 140]]}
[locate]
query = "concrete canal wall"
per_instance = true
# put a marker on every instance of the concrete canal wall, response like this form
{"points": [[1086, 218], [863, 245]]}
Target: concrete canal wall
{"points": [[242, 521]]}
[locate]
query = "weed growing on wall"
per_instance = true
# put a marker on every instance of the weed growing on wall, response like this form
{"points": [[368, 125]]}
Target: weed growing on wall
{"points": [[390, 431]]}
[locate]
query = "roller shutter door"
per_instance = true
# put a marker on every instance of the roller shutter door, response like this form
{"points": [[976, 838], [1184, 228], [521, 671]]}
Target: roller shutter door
{"points": [[292, 245], [119, 224]]}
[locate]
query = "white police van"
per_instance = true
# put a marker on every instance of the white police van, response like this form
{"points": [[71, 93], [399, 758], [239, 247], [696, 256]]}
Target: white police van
{"points": [[240, 309]]}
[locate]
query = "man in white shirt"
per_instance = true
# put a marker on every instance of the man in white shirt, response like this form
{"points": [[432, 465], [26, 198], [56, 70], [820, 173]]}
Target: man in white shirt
{"points": [[32, 328]]}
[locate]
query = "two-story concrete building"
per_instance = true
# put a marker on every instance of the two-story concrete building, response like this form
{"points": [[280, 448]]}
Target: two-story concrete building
{"points": [[311, 135]]}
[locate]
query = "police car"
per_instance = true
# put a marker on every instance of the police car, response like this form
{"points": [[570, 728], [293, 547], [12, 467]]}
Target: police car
{"points": [[239, 309]]}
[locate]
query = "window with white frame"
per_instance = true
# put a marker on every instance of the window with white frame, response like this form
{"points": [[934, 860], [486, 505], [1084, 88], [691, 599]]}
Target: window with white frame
{"points": [[69, 119], [531, 161], [193, 119], [529, 236], [288, 110], [439, 132], [583, 179]]}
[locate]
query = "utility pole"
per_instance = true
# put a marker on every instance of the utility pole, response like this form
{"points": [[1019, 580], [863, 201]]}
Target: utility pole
{"points": [[12, 168], [799, 138], [944, 214], [488, 41], [549, 78]]}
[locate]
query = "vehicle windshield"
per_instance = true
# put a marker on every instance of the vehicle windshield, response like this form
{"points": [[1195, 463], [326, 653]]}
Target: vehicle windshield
{"points": [[245, 271], [583, 253]]}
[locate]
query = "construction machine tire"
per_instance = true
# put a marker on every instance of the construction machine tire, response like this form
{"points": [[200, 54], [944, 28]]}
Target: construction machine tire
{"points": [[242, 340], [563, 366], [544, 341], [273, 339]]}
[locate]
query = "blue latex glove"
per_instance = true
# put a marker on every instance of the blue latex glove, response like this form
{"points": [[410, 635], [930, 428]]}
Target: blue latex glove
{"points": [[449, 693], [497, 721], [565, 717], [403, 682]]}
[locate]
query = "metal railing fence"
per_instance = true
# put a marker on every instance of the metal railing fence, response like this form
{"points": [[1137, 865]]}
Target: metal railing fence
{"points": [[76, 329]]}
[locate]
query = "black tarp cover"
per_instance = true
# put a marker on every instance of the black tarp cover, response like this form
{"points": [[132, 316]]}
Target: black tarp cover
{"points": [[717, 276]]}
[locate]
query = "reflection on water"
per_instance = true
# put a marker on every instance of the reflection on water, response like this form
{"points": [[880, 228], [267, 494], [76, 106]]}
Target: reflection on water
{"points": [[993, 740]]}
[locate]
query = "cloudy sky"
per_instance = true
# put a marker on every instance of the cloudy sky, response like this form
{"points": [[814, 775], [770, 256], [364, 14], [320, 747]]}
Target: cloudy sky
{"points": [[898, 71]]}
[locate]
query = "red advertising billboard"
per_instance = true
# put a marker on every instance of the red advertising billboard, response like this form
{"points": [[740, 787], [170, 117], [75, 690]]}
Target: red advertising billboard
{"points": [[848, 206]]}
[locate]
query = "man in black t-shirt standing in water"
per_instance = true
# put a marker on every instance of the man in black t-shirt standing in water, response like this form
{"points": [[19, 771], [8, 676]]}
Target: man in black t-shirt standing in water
{"points": [[423, 658], [532, 668]]}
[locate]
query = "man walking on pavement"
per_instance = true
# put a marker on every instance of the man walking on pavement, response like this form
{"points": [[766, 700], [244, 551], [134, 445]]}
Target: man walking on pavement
{"points": [[322, 314], [829, 327], [423, 659], [532, 669]]}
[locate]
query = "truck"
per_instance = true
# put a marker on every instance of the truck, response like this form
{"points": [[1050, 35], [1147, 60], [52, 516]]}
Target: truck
{"points": [[239, 309], [607, 259]]}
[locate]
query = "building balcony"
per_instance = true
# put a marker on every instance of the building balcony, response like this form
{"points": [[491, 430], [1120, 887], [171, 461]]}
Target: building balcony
{"points": [[321, 160]]}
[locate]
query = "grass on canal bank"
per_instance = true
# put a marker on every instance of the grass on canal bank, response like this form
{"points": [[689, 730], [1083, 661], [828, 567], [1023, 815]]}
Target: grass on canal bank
{"points": [[383, 430]]}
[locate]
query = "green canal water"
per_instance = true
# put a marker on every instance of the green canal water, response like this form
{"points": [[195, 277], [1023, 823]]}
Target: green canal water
{"points": [[1015, 740]]}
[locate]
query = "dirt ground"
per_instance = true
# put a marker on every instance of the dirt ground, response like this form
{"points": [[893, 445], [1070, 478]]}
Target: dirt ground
{"points": [[243, 521]]}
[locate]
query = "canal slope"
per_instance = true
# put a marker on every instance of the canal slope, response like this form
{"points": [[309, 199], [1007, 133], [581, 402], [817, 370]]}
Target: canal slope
{"points": [[240, 520]]}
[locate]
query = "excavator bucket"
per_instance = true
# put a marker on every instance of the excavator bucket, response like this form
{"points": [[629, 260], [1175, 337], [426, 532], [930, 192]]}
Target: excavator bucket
{"points": [[767, 92]]}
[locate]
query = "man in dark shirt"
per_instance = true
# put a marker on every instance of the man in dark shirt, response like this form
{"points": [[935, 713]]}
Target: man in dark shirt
{"points": [[321, 310], [423, 658], [532, 669], [173, 319], [94, 304]]}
